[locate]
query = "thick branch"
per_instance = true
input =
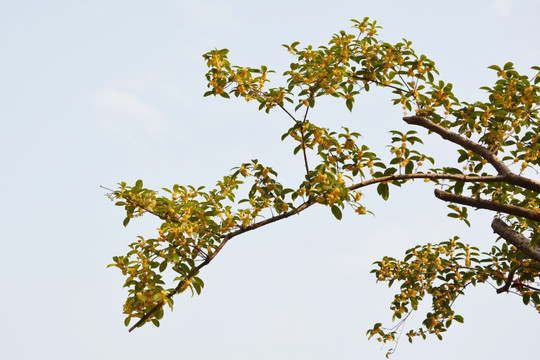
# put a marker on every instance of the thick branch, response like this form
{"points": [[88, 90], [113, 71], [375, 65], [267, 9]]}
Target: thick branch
{"points": [[431, 176], [484, 152], [489, 205], [516, 239], [461, 141]]}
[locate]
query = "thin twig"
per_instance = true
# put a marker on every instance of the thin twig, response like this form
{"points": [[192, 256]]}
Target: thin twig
{"points": [[508, 282], [287, 112]]}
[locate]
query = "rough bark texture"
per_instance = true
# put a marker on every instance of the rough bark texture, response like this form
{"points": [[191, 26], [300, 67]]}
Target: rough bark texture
{"points": [[516, 239], [484, 152]]}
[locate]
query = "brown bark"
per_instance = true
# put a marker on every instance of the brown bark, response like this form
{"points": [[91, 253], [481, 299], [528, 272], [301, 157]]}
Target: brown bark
{"points": [[516, 239], [489, 205], [484, 152]]}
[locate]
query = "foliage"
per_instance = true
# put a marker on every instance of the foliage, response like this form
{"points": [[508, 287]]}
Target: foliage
{"points": [[499, 143]]}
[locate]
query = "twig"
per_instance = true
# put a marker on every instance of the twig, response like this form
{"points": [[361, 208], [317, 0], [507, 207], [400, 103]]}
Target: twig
{"points": [[508, 282], [287, 112]]}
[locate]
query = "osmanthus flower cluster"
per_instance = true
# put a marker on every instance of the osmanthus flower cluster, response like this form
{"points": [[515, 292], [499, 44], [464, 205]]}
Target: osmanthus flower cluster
{"points": [[498, 141]]}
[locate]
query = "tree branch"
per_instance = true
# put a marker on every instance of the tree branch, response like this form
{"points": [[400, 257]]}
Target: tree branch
{"points": [[516, 239], [489, 205], [484, 152], [358, 78], [431, 176], [501, 168], [508, 282], [287, 112]]}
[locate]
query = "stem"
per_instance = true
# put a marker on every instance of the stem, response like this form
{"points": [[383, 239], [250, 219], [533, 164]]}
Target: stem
{"points": [[287, 112], [304, 153], [431, 176]]}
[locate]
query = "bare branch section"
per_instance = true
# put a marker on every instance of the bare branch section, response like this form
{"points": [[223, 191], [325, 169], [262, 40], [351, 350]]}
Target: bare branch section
{"points": [[489, 205], [484, 152], [516, 239]]}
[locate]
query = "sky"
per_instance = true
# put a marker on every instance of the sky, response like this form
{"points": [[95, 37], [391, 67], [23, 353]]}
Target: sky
{"points": [[93, 93]]}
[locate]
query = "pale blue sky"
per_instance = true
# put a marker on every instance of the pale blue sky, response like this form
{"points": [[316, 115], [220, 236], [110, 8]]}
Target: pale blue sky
{"points": [[97, 92]]}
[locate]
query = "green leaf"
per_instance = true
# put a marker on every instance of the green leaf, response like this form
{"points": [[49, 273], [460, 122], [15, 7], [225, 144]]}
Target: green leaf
{"points": [[383, 190], [508, 66], [390, 171], [409, 168], [337, 212], [126, 221], [163, 266], [458, 187], [349, 104], [197, 288], [463, 156]]}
